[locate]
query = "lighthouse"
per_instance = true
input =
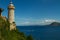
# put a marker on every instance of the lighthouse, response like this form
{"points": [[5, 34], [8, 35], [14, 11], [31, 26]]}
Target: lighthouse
{"points": [[11, 9]]}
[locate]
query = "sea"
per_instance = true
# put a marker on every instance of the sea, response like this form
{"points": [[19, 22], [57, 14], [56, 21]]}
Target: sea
{"points": [[41, 32]]}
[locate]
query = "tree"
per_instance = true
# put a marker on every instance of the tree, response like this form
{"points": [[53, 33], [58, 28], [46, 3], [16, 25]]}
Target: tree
{"points": [[30, 37]]}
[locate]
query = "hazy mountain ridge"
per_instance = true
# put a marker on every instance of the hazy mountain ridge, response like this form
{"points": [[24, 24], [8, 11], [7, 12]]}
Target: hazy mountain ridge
{"points": [[51, 24], [55, 24]]}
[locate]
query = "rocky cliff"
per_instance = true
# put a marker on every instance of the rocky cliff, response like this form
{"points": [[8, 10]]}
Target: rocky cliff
{"points": [[6, 34]]}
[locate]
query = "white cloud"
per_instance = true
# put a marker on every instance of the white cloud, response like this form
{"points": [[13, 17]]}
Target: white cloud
{"points": [[47, 21], [50, 20], [26, 22], [31, 21]]}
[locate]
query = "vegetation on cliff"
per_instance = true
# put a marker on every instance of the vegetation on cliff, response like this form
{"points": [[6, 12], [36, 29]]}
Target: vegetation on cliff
{"points": [[6, 34]]}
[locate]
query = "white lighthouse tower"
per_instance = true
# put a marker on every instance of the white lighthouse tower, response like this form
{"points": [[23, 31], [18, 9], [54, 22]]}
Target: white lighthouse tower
{"points": [[11, 9]]}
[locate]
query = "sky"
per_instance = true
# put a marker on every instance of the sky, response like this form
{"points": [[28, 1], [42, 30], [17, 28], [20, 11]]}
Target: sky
{"points": [[33, 12]]}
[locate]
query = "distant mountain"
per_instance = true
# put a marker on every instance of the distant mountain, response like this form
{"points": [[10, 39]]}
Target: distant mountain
{"points": [[51, 24], [55, 24]]}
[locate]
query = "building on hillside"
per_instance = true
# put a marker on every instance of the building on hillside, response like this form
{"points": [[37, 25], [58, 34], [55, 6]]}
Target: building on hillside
{"points": [[11, 9], [10, 18]]}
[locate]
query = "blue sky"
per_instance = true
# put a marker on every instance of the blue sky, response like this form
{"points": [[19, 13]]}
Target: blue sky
{"points": [[33, 12]]}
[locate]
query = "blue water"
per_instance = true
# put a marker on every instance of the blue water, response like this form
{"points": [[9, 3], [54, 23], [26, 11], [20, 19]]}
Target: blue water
{"points": [[41, 32]]}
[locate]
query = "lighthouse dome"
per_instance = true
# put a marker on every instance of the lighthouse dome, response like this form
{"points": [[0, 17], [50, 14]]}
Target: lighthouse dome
{"points": [[11, 6]]}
